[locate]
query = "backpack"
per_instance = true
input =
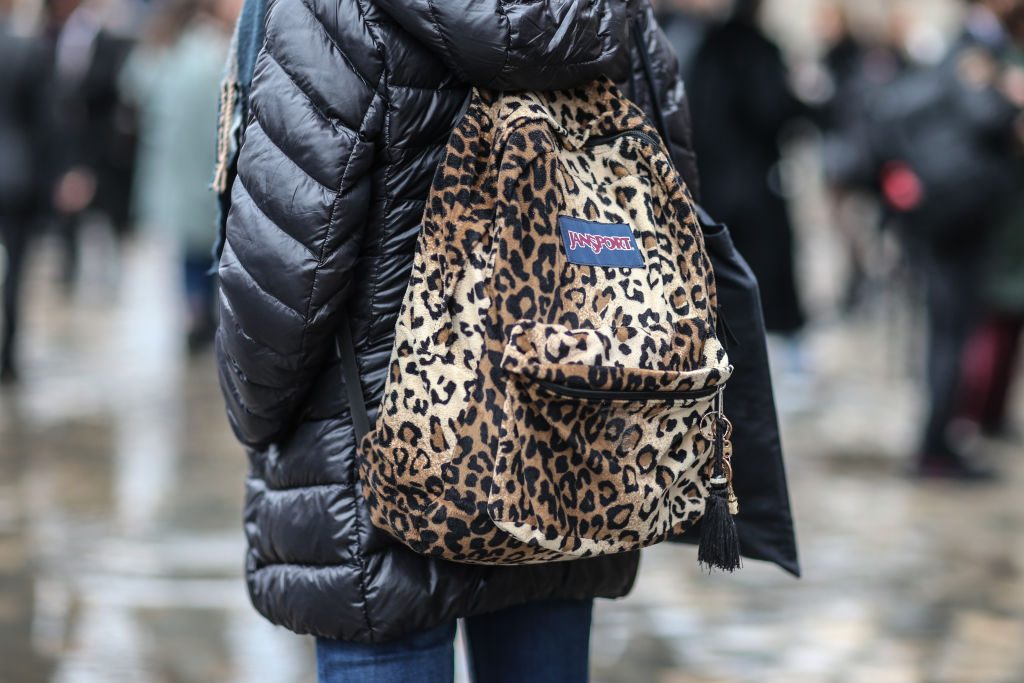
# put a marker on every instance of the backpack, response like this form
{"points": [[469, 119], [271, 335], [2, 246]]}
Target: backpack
{"points": [[556, 383]]}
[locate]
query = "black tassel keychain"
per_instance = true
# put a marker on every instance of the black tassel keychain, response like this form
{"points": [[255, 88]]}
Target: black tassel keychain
{"points": [[719, 542]]}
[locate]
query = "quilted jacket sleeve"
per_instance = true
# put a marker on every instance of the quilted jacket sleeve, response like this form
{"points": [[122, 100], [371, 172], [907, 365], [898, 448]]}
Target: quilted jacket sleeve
{"points": [[298, 210]]}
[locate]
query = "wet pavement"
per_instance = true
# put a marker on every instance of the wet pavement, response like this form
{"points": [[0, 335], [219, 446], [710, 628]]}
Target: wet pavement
{"points": [[121, 548]]}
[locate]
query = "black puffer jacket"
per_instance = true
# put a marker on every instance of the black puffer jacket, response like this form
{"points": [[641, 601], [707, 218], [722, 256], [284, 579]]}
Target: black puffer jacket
{"points": [[351, 107]]}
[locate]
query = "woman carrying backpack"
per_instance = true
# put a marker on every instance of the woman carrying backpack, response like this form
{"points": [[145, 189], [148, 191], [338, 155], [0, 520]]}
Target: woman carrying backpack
{"points": [[347, 108]]}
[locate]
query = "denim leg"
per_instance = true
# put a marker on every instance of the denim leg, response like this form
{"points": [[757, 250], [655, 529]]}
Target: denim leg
{"points": [[200, 289], [539, 642], [427, 657]]}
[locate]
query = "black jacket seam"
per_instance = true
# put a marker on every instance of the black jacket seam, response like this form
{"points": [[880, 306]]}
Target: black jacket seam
{"points": [[429, 88], [242, 377], [253, 341], [306, 565], [388, 174], [357, 147], [266, 134], [453, 63], [344, 55], [380, 89], [335, 121], [508, 37], [236, 394], [260, 287], [299, 487], [260, 211], [357, 520]]}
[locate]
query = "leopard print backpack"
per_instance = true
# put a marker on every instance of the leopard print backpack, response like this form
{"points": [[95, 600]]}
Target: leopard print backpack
{"points": [[555, 387]]}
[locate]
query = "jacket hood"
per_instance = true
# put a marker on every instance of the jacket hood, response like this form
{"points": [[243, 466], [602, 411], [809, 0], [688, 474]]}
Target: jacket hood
{"points": [[522, 44]]}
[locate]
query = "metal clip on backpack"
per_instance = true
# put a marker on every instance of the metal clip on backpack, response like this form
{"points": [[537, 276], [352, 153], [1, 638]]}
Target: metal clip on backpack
{"points": [[555, 388]]}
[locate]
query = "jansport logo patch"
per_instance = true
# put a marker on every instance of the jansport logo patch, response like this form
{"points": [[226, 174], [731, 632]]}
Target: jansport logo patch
{"points": [[599, 244]]}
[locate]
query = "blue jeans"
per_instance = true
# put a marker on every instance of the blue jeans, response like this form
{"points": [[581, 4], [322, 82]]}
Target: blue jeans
{"points": [[542, 642]]}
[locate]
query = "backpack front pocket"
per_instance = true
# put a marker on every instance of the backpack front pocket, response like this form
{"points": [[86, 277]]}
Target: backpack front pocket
{"points": [[599, 458]]}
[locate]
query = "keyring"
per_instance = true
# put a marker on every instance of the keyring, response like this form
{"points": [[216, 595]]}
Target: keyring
{"points": [[707, 429]]}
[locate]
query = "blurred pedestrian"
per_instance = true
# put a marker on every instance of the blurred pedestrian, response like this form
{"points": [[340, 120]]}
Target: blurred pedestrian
{"points": [[24, 186], [741, 102], [991, 360], [173, 78], [944, 135], [94, 131], [685, 23], [857, 66]]}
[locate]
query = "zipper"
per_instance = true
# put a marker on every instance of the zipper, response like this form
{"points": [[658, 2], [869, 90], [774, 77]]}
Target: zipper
{"points": [[605, 139], [608, 395]]}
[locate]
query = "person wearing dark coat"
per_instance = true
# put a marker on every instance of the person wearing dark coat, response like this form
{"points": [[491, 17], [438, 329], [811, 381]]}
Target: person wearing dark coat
{"points": [[992, 356], [342, 121], [24, 186], [95, 133], [945, 136], [741, 101]]}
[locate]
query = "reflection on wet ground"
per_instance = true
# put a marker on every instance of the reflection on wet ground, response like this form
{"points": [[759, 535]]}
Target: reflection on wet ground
{"points": [[121, 549]]}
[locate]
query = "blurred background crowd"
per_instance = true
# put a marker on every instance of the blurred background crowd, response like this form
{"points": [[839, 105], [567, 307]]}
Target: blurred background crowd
{"points": [[107, 116], [868, 157], [919, 139]]}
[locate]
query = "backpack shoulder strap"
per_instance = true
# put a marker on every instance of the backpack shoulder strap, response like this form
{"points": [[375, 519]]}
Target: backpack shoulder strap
{"points": [[353, 385], [640, 39]]}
